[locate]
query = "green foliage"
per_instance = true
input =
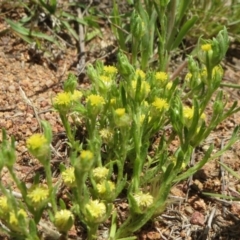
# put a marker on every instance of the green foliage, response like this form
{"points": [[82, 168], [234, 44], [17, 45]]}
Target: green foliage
{"points": [[122, 112], [57, 20]]}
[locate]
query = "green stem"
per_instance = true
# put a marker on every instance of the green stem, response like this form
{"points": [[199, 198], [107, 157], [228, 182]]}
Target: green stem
{"points": [[230, 85], [67, 128], [92, 232], [47, 168]]}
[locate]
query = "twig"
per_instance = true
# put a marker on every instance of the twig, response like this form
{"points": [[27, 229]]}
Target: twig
{"points": [[82, 55], [178, 70], [28, 102]]}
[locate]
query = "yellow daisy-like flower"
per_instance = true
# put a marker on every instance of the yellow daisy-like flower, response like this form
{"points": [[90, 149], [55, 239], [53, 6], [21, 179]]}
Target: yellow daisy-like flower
{"points": [[160, 104], [110, 69], [140, 73], [63, 220], [77, 95], [188, 112], [36, 141], [62, 99], [68, 177], [100, 173], [96, 209], [206, 47], [102, 187], [95, 100], [120, 112], [144, 200], [161, 76], [38, 195]]}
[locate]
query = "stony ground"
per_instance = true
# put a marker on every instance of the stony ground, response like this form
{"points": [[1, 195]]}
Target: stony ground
{"points": [[28, 82]]}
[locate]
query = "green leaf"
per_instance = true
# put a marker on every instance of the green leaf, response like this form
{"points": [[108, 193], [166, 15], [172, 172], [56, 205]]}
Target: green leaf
{"points": [[26, 33], [51, 6], [183, 32], [233, 173], [195, 168]]}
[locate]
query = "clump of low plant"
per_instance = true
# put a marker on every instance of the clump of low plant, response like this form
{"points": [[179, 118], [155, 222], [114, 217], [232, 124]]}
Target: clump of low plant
{"points": [[122, 112]]}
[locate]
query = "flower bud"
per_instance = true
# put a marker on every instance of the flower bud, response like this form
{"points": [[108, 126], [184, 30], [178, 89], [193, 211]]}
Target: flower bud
{"points": [[39, 147], [96, 211], [70, 84], [106, 190], [68, 177], [121, 118], [63, 220], [100, 173], [137, 25], [143, 200], [95, 104], [86, 161], [125, 68]]}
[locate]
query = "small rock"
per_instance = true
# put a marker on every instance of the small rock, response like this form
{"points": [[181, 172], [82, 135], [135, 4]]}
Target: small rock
{"points": [[197, 219], [11, 88]]}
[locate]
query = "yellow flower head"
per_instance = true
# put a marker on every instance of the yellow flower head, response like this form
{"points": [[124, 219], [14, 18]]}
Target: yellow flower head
{"points": [[77, 95], [95, 100], [206, 47], [104, 186], [120, 112], [86, 155], [217, 70], [161, 76], [160, 104], [36, 141], [105, 79], [145, 87], [4, 205], [68, 177], [86, 161], [96, 209], [110, 70], [203, 116], [169, 85], [13, 219], [38, 195], [140, 73], [188, 112], [100, 173], [143, 200], [113, 101], [64, 220], [106, 134], [62, 99], [188, 77]]}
